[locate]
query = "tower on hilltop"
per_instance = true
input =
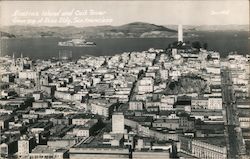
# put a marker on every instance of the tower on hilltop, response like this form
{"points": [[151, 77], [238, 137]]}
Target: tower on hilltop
{"points": [[180, 33]]}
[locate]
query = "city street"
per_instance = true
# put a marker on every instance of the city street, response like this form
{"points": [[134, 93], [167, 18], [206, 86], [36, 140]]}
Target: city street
{"points": [[233, 132]]}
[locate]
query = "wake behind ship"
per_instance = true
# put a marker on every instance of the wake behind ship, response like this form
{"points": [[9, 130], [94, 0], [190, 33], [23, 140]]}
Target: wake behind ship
{"points": [[77, 43]]}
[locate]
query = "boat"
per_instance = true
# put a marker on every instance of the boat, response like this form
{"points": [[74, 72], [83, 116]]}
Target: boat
{"points": [[77, 43]]}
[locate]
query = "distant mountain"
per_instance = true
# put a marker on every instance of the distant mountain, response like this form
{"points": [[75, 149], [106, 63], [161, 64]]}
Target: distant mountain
{"points": [[222, 28], [131, 30], [143, 27], [188, 28], [6, 35]]}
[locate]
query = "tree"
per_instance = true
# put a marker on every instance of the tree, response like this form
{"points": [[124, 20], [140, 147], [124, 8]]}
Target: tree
{"points": [[205, 46], [175, 44], [209, 57], [180, 43], [196, 45], [169, 46]]}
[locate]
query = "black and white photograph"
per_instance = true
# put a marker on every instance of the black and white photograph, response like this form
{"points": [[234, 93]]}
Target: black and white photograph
{"points": [[125, 79]]}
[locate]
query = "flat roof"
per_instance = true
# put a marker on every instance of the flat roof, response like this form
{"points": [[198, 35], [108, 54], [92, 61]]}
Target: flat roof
{"points": [[217, 141], [81, 116], [140, 118], [244, 112], [46, 149], [96, 142]]}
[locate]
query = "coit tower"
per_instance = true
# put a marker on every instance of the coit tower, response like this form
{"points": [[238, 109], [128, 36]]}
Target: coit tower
{"points": [[180, 33]]}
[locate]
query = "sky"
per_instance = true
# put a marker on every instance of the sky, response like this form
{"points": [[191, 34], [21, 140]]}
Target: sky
{"points": [[95, 13]]}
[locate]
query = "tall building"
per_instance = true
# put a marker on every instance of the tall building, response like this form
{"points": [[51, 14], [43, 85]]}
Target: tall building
{"points": [[25, 145], [118, 123], [21, 63], [180, 33], [13, 66], [13, 60]]}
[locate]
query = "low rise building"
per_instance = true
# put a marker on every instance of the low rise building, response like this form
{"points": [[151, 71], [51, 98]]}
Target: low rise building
{"points": [[214, 103], [44, 151], [212, 147]]}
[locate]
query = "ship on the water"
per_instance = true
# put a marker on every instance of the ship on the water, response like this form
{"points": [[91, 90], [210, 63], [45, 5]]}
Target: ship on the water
{"points": [[77, 43]]}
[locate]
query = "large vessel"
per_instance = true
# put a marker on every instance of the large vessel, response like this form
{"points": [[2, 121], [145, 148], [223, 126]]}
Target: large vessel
{"points": [[77, 43]]}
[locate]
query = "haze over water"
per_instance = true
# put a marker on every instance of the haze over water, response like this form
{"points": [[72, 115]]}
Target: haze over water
{"points": [[45, 48]]}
